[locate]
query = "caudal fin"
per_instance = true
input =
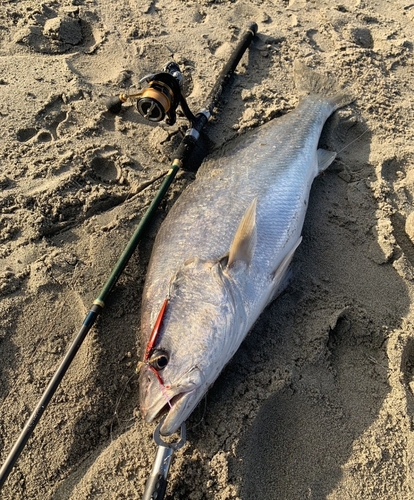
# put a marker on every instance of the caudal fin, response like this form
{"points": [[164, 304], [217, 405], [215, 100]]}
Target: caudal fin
{"points": [[309, 82]]}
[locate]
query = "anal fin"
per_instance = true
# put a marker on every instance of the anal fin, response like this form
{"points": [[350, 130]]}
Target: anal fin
{"points": [[325, 158]]}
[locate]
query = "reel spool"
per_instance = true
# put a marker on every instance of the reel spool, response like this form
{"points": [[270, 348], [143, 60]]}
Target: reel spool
{"points": [[160, 99]]}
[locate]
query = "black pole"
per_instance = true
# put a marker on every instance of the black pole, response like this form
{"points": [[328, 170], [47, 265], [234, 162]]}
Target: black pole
{"points": [[184, 150]]}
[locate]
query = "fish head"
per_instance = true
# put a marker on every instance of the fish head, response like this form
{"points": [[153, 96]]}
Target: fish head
{"points": [[194, 342]]}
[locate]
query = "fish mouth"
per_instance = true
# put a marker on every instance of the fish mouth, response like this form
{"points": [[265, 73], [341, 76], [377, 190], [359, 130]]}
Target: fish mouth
{"points": [[177, 410], [177, 403]]}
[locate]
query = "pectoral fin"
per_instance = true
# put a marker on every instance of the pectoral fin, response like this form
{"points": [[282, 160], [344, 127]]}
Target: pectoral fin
{"points": [[325, 158], [244, 242]]}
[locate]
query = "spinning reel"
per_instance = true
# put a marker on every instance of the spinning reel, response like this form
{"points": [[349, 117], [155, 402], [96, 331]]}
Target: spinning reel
{"points": [[160, 99]]}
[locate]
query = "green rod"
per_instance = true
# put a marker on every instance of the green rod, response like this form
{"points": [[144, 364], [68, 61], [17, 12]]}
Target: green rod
{"points": [[136, 237], [88, 322]]}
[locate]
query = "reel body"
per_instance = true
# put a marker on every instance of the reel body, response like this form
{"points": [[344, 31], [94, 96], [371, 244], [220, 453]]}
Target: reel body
{"points": [[160, 99]]}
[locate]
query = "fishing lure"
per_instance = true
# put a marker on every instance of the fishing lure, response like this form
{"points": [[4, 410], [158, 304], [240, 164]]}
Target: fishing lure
{"points": [[156, 359]]}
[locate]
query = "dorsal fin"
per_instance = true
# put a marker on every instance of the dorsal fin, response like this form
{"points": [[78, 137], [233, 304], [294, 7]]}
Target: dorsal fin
{"points": [[244, 241]]}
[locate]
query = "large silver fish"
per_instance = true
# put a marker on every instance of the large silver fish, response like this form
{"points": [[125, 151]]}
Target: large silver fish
{"points": [[223, 250]]}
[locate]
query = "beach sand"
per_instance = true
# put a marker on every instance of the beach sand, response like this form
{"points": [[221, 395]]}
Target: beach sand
{"points": [[318, 402]]}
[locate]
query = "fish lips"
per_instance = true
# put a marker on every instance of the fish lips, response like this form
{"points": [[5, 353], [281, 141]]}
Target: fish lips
{"points": [[177, 402]]}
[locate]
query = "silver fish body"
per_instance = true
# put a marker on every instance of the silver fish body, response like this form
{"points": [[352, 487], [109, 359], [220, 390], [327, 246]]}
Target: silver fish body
{"points": [[222, 252]]}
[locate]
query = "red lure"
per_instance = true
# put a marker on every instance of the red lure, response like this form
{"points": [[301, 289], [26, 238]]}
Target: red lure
{"points": [[153, 338], [155, 331]]}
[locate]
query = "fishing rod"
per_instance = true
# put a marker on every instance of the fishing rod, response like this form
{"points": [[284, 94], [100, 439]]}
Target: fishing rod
{"points": [[157, 102]]}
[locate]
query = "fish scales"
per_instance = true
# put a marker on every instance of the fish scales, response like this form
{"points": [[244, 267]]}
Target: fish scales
{"points": [[210, 209], [219, 278]]}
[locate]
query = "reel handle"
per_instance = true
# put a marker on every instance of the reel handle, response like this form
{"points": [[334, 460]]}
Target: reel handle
{"points": [[114, 104]]}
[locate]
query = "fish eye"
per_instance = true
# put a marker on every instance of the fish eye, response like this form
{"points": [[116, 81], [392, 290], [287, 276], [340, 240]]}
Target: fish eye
{"points": [[159, 360]]}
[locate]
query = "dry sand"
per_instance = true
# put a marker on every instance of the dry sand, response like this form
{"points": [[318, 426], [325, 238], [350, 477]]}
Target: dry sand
{"points": [[318, 402]]}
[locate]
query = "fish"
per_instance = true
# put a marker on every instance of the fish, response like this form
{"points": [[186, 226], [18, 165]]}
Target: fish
{"points": [[224, 249]]}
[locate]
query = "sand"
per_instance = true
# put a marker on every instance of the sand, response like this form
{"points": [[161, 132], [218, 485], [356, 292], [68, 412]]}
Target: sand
{"points": [[318, 402]]}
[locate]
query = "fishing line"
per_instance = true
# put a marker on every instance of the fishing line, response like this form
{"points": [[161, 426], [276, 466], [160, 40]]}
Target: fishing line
{"points": [[203, 413], [356, 139], [118, 402], [164, 393]]}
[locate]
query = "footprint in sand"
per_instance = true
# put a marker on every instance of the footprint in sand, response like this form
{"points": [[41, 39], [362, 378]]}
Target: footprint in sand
{"points": [[55, 120]]}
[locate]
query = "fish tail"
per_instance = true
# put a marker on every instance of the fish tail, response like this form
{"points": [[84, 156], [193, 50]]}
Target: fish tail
{"points": [[309, 82]]}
